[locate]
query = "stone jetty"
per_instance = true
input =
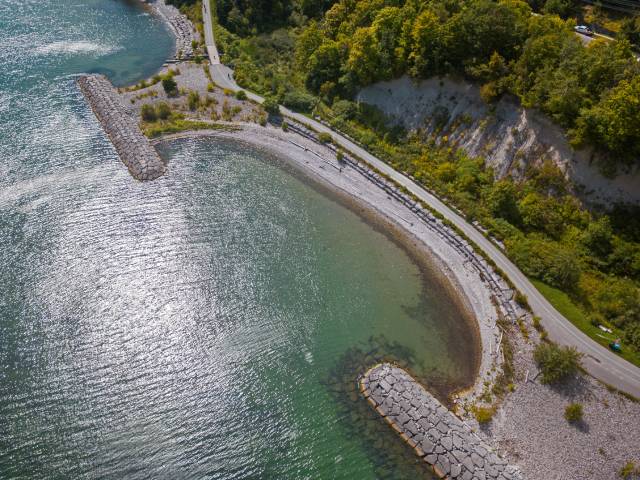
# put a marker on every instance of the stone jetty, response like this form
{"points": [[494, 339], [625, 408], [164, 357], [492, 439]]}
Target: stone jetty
{"points": [[447, 444], [132, 146]]}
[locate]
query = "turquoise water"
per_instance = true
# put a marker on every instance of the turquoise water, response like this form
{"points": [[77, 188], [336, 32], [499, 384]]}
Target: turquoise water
{"points": [[210, 324]]}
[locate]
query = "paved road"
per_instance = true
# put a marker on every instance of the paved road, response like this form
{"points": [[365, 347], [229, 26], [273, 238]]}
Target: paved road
{"points": [[598, 361]]}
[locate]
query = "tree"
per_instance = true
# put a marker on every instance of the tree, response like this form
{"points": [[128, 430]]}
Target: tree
{"points": [[325, 65], [428, 53], [613, 124], [630, 29], [271, 106], [483, 27], [556, 363], [170, 86], [562, 8], [598, 237], [502, 201]]}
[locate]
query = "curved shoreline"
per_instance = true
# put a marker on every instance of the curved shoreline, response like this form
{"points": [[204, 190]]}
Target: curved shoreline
{"points": [[319, 164]]}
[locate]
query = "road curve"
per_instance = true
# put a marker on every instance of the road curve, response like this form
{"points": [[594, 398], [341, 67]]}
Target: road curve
{"points": [[600, 362]]}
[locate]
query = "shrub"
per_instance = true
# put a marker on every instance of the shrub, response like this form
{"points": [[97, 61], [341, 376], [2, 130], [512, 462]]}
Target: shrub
{"points": [[193, 101], [148, 113], [170, 86], [271, 106], [536, 323], [285, 127], [298, 101], [556, 363], [241, 95], [483, 414], [325, 137], [521, 299], [210, 87], [163, 110], [628, 470], [345, 109], [340, 156], [573, 412]]}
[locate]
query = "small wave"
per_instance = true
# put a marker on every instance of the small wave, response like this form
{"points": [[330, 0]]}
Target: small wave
{"points": [[81, 47]]}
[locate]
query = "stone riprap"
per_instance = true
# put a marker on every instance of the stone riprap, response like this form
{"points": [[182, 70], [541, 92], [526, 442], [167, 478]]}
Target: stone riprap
{"points": [[180, 25], [132, 146], [439, 437]]}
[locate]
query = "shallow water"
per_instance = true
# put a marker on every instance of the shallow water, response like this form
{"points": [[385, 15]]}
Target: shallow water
{"points": [[210, 324]]}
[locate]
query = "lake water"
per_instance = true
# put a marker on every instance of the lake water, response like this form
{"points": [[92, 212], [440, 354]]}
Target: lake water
{"points": [[210, 324]]}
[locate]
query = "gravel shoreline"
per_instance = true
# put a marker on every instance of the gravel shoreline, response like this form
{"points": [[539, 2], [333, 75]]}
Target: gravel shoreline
{"points": [[320, 164], [528, 428]]}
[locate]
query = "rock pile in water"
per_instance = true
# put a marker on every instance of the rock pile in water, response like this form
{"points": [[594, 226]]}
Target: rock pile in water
{"points": [[132, 146], [439, 437]]}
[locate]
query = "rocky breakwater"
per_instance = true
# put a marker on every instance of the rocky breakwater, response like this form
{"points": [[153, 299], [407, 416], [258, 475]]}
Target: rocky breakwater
{"points": [[447, 444], [132, 146]]}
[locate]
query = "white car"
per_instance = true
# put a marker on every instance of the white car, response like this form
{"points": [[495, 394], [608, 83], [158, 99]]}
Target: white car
{"points": [[584, 30]]}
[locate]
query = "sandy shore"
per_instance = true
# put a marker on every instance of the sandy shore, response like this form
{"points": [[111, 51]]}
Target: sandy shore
{"points": [[319, 164]]}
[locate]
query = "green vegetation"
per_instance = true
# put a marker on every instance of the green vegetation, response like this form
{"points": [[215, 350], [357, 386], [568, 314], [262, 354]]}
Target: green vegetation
{"points": [[325, 137], [573, 412], [170, 86], [563, 303], [314, 58], [556, 363], [193, 101], [483, 414], [271, 106], [498, 44], [241, 95], [629, 470], [176, 125], [160, 120], [148, 113]]}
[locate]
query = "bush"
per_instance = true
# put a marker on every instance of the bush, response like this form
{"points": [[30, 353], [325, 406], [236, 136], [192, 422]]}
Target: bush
{"points": [[345, 109], [241, 95], [163, 110], [573, 412], [285, 127], [521, 299], [628, 470], [170, 86], [148, 113], [298, 101], [483, 414], [193, 101], [556, 363], [325, 137], [271, 106], [536, 323]]}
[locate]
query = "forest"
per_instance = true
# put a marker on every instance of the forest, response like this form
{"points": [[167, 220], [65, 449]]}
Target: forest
{"points": [[314, 56]]}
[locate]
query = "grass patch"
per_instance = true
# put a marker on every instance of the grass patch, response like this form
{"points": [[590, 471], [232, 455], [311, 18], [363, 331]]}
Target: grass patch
{"points": [[156, 129], [563, 303]]}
